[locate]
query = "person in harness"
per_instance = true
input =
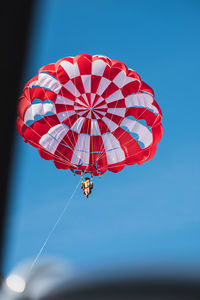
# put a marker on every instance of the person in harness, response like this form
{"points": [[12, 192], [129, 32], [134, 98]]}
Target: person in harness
{"points": [[87, 186]]}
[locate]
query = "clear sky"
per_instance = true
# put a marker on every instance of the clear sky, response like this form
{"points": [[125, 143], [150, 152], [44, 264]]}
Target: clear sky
{"points": [[144, 214]]}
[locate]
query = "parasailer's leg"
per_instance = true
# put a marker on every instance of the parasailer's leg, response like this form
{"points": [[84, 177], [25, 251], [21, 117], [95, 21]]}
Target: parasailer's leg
{"points": [[87, 191]]}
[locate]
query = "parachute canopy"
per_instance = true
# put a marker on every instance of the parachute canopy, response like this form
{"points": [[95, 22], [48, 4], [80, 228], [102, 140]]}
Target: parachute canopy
{"points": [[90, 113]]}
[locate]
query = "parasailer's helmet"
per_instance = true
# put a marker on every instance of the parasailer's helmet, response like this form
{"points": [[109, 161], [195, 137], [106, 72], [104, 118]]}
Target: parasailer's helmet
{"points": [[87, 178]]}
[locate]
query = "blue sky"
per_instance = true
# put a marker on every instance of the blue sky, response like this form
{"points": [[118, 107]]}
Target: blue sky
{"points": [[144, 214]]}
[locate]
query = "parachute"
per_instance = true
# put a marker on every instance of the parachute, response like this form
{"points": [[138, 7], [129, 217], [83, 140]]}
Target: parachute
{"points": [[90, 114]]}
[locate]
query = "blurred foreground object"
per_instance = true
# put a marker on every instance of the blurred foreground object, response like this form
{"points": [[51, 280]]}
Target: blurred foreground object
{"points": [[15, 23], [55, 280], [26, 283]]}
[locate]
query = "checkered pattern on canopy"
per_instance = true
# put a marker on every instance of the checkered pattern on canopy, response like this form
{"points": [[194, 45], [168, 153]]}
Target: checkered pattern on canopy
{"points": [[90, 113]]}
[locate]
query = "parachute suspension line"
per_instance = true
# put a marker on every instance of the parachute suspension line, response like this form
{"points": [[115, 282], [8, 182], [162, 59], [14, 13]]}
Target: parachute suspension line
{"points": [[73, 144], [63, 161], [84, 146], [42, 148], [110, 120], [51, 126], [88, 126], [92, 140], [101, 147], [92, 148], [44, 117], [135, 123], [125, 143], [96, 166], [54, 227], [58, 159], [132, 129]]}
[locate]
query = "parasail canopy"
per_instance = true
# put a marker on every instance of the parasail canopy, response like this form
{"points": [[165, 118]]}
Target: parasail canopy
{"points": [[90, 113]]}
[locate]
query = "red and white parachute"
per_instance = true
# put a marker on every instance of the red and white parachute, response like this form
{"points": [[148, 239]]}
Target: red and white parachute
{"points": [[90, 113]]}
